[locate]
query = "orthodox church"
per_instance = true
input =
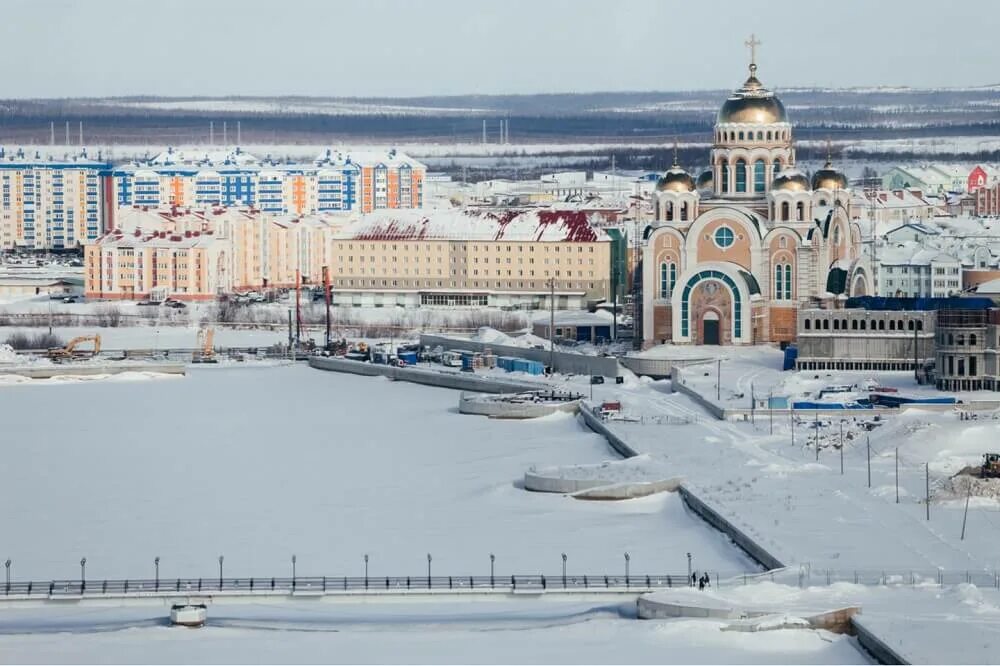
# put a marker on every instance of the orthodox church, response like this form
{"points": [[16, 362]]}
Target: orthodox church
{"points": [[733, 254]]}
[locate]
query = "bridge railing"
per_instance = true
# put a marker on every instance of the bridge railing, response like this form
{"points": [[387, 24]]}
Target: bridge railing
{"points": [[333, 584]]}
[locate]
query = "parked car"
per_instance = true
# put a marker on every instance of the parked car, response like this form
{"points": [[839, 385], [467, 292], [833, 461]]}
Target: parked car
{"points": [[177, 305], [70, 299]]}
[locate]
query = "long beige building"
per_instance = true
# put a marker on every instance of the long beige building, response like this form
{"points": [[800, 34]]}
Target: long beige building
{"points": [[471, 258]]}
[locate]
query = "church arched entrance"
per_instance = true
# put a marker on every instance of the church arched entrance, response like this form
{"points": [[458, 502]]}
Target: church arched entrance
{"points": [[710, 333]]}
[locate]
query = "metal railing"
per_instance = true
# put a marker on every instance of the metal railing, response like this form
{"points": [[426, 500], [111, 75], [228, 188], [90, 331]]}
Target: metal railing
{"points": [[333, 585]]}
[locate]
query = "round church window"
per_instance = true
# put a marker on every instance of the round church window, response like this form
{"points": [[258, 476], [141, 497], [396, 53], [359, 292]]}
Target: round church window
{"points": [[724, 237]]}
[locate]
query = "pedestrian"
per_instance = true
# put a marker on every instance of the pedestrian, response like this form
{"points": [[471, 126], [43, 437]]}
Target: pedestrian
{"points": [[694, 578], [701, 583], [708, 581]]}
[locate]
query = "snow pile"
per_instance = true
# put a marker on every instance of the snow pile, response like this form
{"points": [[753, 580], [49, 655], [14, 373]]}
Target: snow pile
{"points": [[8, 355], [963, 485]]}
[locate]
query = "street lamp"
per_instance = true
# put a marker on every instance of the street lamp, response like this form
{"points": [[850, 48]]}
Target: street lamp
{"points": [[428, 571], [7, 567], [492, 560], [366, 571], [156, 566], [689, 566], [221, 558], [83, 574], [564, 569], [293, 572], [627, 558]]}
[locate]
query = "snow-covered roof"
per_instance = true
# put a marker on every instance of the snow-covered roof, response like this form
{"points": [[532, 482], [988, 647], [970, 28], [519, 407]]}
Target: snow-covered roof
{"points": [[546, 225]]}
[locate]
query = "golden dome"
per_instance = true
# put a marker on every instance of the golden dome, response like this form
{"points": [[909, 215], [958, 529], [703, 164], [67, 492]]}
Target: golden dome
{"points": [[753, 103], [829, 178], [706, 181], [791, 180], [675, 179]]}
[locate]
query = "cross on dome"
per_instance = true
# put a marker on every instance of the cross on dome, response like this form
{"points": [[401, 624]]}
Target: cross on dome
{"points": [[753, 43]]}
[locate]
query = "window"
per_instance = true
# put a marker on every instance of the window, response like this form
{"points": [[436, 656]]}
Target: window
{"points": [[668, 277], [788, 282], [758, 176], [724, 237], [725, 177], [741, 175], [784, 211], [972, 339], [807, 323]]}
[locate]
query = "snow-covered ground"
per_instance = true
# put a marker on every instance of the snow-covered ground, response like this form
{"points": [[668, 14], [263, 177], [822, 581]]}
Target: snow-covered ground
{"points": [[260, 463], [526, 632]]}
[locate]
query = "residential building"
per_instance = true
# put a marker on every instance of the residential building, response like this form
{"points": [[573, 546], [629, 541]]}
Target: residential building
{"points": [[471, 258], [199, 254], [733, 255], [933, 178], [980, 176], [968, 349], [988, 199], [909, 270], [50, 204], [334, 181]]}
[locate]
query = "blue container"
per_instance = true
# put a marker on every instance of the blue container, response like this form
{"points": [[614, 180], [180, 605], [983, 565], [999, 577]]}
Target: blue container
{"points": [[409, 357], [791, 353], [534, 368], [467, 362]]}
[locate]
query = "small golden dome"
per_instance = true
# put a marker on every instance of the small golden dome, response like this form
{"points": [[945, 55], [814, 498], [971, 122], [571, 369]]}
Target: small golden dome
{"points": [[706, 181], [675, 179], [752, 103], [790, 180], [829, 178]]}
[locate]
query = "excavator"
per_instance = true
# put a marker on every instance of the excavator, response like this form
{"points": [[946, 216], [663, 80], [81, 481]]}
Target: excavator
{"points": [[205, 353], [70, 352]]}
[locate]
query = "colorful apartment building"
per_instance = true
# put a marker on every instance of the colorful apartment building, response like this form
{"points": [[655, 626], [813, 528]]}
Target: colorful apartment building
{"points": [[334, 181], [50, 204]]}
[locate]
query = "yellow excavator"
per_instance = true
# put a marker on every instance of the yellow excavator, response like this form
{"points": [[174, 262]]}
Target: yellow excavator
{"points": [[70, 351], [205, 353]]}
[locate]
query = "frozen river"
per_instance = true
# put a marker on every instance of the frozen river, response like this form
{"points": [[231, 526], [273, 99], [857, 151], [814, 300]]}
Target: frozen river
{"points": [[259, 463]]}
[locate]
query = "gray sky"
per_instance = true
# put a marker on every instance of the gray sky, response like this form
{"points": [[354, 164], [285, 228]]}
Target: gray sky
{"points": [[67, 48]]}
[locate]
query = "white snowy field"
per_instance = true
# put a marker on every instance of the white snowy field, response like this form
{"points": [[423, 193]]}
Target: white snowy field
{"points": [[516, 632], [259, 463]]}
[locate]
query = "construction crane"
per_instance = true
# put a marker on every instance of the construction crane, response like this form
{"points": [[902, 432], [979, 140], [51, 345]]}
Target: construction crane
{"points": [[205, 353], [70, 352]]}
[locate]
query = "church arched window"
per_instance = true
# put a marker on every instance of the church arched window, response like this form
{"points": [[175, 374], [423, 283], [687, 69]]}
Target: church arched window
{"points": [[668, 276], [669, 211], [741, 136], [758, 176], [768, 135], [725, 177], [784, 211], [788, 282], [800, 211], [684, 211], [760, 135], [741, 175]]}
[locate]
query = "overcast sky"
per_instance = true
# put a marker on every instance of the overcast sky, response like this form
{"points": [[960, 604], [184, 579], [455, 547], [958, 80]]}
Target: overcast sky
{"points": [[66, 48]]}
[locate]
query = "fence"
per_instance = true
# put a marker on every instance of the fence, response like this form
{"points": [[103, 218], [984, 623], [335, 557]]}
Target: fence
{"points": [[335, 584]]}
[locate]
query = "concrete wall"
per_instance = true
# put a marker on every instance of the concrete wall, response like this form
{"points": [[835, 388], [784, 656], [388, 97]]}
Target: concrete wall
{"points": [[657, 368], [452, 380], [678, 385], [595, 423], [874, 645], [713, 518], [566, 362]]}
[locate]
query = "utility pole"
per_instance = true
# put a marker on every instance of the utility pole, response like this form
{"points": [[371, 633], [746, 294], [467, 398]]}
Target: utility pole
{"points": [[52, 133], [869, 440], [965, 515], [211, 132], [552, 325], [816, 436], [718, 380], [67, 132], [841, 447], [224, 137], [81, 132], [927, 488], [326, 295], [916, 362], [770, 410], [897, 475], [238, 132], [298, 307]]}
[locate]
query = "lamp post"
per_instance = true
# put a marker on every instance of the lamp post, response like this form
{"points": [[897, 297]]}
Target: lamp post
{"points": [[718, 381], [627, 558], [156, 567], [564, 569], [293, 572], [83, 574], [492, 560], [689, 566], [366, 571], [428, 571], [7, 573], [221, 558]]}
